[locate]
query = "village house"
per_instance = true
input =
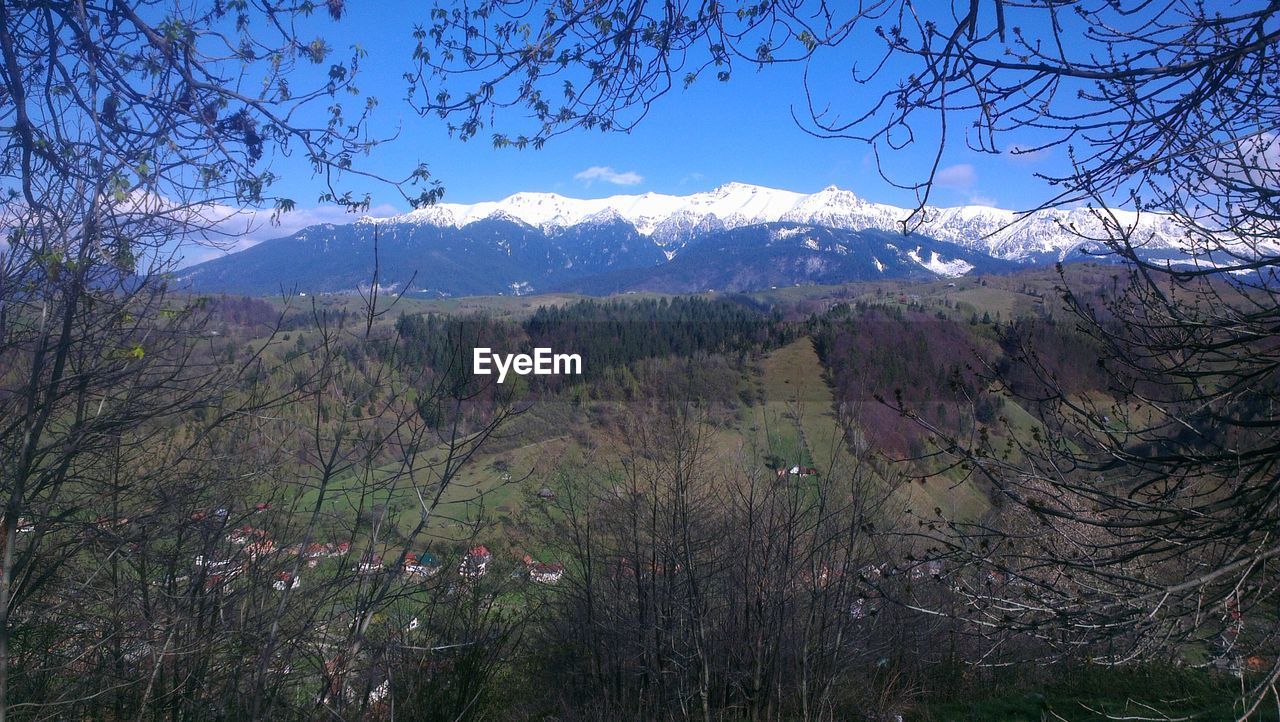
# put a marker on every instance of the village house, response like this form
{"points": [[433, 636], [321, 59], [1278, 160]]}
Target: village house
{"points": [[247, 534], [476, 562], [425, 566], [932, 568], [369, 563], [545, 573], [312, 553], [871, 571], [225, 567], [219, 572], [259, 548], [285, 580], [315, 551]]}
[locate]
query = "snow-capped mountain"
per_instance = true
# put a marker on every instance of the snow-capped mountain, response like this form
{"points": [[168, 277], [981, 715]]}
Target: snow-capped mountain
{"points": [[671, 221], [735, 237], [601, 253]]}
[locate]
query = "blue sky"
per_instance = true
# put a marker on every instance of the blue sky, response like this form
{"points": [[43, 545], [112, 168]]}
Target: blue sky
{"points": [[692, 140]]}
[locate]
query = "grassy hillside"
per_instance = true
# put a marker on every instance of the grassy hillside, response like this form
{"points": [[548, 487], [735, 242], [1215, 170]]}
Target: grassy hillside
{"points": [[792, 419]]}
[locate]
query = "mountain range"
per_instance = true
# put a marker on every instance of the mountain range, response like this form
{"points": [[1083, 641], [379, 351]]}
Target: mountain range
{"points": [[734, 237]]}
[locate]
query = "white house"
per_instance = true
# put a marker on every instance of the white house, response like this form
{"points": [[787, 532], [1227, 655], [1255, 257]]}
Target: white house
{"points": [[545, 573], [476, 562]]}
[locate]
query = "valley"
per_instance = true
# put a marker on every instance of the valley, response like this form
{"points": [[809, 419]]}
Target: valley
{"points": [[776, 408], [610, 360]]}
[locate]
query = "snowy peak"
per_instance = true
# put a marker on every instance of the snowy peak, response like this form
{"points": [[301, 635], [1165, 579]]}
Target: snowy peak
{"points": [[671, 221], [740, 204], [603, 217]]}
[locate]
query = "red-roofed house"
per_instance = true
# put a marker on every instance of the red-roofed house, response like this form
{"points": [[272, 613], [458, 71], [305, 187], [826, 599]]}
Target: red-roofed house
{"points": [[476, 562], [246, 534]]}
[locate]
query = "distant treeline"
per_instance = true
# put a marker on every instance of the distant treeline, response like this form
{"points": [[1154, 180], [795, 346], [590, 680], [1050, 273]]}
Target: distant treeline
{"points": [[608, 335], [617, 333]]}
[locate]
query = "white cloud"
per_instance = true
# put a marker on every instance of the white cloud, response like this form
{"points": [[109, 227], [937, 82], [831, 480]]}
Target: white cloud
{"points": [[608, 175], [1253, 159], [956, 176], [231, 230], [258, 224], [174, 234]]}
